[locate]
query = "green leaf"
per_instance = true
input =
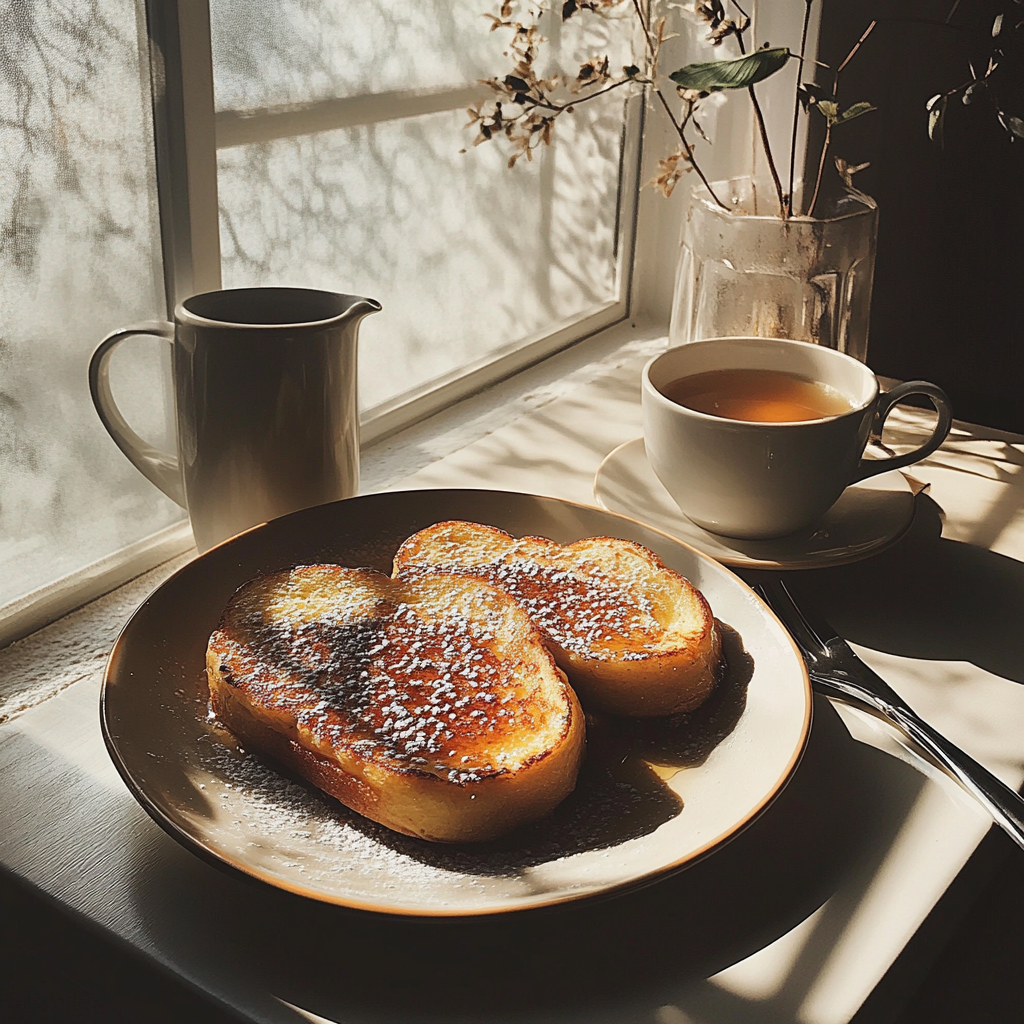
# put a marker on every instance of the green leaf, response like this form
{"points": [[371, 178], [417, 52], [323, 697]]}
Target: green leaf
{"points": [[732, 74], [855, 111], [829, 109]]}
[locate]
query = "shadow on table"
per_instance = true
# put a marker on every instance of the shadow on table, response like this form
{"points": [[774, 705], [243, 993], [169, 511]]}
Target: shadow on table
{"points": [[584, 961], [927, 597]]}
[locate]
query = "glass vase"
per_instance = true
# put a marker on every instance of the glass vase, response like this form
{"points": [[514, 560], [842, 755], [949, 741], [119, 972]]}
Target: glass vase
{"points": [[746, 272]]}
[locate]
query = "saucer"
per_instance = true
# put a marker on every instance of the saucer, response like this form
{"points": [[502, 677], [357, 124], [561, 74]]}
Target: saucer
{"points": [[868, 517]]}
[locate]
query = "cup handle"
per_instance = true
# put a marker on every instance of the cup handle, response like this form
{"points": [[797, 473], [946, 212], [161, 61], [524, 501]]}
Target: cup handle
{"points": [[886, 403], [160, 468]]}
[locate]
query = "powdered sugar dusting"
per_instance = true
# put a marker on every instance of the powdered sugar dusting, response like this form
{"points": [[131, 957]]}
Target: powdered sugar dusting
{"points": [[576, 603], [386, 672], [584, 612]]}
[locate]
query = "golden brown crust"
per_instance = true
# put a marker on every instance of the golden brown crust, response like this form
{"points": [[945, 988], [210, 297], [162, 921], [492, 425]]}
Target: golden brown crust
{"points": [[635, 637], [430, 706]]}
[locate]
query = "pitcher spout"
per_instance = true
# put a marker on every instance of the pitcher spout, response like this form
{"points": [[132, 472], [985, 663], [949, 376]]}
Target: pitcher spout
{"points": [[359, 308]]}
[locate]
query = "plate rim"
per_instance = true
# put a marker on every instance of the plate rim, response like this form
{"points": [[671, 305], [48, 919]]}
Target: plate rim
{"points": [[247, 871], [748, 562]]}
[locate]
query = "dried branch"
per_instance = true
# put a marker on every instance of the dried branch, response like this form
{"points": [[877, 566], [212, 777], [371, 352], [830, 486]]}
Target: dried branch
{"points": [[768, 152], [527, 104], [653, 50], [833, 116], [796, 106]]}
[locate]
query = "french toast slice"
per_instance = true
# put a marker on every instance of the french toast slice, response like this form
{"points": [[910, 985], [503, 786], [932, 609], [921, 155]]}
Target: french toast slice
{"points": [[635, 637], [430, 705]]}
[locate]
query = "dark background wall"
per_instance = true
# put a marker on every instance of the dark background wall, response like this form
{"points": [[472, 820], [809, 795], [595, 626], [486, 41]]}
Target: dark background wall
{"points": [[948, 301]]}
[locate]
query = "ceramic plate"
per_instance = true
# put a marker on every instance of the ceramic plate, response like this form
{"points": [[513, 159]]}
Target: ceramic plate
{"points": [[651, 798], [868, 517]]}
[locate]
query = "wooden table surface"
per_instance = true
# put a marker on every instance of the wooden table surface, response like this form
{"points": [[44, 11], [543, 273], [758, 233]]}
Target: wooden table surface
{"points": [[796, 920]]}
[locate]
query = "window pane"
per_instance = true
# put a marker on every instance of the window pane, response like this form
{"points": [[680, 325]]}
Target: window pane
{"points": [[79, 255], [302, 51], [466, 256], [298, 51]]}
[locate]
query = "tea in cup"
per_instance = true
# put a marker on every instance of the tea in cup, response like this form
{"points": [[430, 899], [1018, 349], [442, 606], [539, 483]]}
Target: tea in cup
{"points": [[757, 437]]}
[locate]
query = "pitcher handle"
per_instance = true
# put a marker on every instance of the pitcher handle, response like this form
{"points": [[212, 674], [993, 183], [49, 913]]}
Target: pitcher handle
{"points": [[160, 468], [886, 403]]}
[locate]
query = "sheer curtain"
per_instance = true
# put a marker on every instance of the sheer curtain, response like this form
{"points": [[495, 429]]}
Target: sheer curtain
{"points": [[79, 255]]}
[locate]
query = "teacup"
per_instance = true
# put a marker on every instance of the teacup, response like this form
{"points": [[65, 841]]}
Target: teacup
{"points": [[756, 480], [265, 402]]}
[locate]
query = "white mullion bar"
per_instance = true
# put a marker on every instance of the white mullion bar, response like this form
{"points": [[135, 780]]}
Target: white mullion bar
{"points": [[244, 127], [181, 60]]}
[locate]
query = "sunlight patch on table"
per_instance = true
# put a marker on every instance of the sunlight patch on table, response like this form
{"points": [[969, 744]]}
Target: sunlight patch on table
{"points": [[895, 904], [959, 698], [313, 1018], [670, 1014], [763, 975]]}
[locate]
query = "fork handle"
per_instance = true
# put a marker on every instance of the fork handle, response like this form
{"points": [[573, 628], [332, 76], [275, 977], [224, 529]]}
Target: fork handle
{"points": [[1005, 806]]}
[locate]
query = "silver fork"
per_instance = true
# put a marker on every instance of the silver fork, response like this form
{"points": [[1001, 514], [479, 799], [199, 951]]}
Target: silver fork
{"points": [[837, 672]]}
